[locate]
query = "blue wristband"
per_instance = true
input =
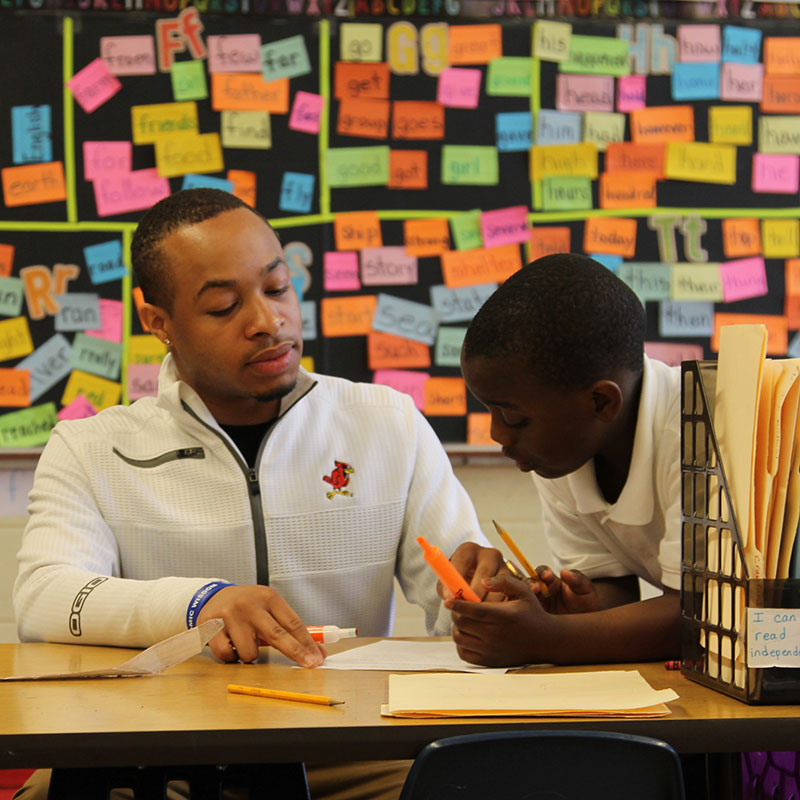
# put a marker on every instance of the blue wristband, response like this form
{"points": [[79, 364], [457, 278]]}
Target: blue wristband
{"points": [[200, 598]]}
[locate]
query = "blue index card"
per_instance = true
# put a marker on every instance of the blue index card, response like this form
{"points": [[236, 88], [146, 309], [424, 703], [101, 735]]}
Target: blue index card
{"points": [[298, 282], [78, 312], [695, 82], [12, 291], [32, 134], [104, 262], [608, 260], [558, 127], [193, 181], [308, 313], [794, 347], [741, 45], [286, 58], [297, 192], [447, 352], [460, 304], [405, 318], [97, 356], [513, 129], [685, 318], [48, 364]]}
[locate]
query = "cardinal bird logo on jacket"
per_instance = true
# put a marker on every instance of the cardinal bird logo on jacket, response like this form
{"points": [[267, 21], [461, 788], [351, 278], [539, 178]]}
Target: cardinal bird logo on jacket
{"points": [[338, 479]]}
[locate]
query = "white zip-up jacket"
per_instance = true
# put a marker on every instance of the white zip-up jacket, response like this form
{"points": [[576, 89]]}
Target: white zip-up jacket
{"points": [[134, 510]]}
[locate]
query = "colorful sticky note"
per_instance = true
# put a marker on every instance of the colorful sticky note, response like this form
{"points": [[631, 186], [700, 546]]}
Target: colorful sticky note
{"points": [[410, 383], [238, 52], [631, 92], [104, 261], [79, 408], [96, 356], [616, 236], [297, 192], [584, 92], [129, 55], [558, 127], [673, 353], [743, 278], [248, 92], [779, 134], [741, 237], [685, 319], [106, 158], [741, 45], [730, 125], [136, 191], [603, 127], [662, 124], [559, 159], [780, 238], [100, 392], [110, 321], [701, 161], [15, 388], [474, 165], [93, 85], [184, 153], [359, 81], [12, 293], [445, 397], [513, 131], [597, 55], [650, 280], [777, 174], [15, 338], [505, 226], [408, 169], [6, 259], [388, 266], [426, 237], [780, 94], [479, 426], [32, 184], [627, 190], [695, 82], [462, 303], [551, 40], [151, 122], [306, 112], [632, 157], [357, 166], [566, 192], [192, 181], [782, 55], [340, 272], [466, 229], [145, 350], [365, 118], [509, 76], [459, 88], [31, 134], [355, 230], [447, 352], [696, 282], [286, 58], [791, 277], [777, 329], [417, 119], [347, 316], [29, 427], [699, 43], [77, 311], [475, 44], [47, 365], [484, 265], [361, 41], [385, 351], [546, 240], [188, 80], [244, 185]]}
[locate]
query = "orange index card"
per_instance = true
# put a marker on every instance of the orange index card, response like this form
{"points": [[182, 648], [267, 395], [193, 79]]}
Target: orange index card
{"points": [[792, 278], [408, 169], [445, 397], [614, 236], [780, 94], [385, 351], [358, 80], [365, 118], [355, 230], [627, 190], [546, 240], [244, 185], [791, 310], [662, 124], [474, 44], [241, 91], [6, 259], [15, 387], [777, 330], [782, 55], [481, 265], [347, 316], [417, 119], [632, 157], [741, 237], [31, 184], [426, 237], [479, 425]]}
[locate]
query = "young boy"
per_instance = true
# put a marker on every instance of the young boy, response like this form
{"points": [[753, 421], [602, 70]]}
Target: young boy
{"points": [[557, 357]]}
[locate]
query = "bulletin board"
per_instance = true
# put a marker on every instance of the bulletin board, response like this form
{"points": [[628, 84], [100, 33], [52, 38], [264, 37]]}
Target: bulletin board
{"points": [[408, 165]]}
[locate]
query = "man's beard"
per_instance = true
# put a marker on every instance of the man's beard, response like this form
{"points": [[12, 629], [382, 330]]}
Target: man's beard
{"points": [[277, 394]]}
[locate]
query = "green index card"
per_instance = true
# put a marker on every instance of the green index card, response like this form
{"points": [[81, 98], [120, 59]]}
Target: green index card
{"points": [[358, 166], [509, 76], [469, 165]]}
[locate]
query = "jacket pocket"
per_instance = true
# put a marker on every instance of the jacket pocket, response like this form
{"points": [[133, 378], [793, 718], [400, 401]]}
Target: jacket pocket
{"points": [[157, 461]]}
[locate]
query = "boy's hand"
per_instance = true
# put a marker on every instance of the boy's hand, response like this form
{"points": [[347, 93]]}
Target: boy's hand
{"points": [[477, 564], [571, 593]]}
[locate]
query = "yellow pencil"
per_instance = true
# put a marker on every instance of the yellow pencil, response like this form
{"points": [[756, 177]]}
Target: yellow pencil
{"points": [[277, 694], [524, 561]]}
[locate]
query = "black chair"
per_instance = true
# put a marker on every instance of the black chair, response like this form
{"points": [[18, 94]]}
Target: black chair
{"points": [[545, 765]]}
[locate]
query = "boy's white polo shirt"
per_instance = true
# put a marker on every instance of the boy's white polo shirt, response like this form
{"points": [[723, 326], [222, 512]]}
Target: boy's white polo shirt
{"points": [[640, 533]]}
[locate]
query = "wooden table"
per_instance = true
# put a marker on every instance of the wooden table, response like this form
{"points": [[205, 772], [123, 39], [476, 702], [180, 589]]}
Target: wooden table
{"points": [[186, 716]]}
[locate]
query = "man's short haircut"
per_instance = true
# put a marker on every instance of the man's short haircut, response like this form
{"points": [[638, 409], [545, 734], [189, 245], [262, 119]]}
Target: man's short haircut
{"points": [[566, 317], [187, 207]]}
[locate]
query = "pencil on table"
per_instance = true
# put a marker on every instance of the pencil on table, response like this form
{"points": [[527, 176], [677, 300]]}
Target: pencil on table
{"points": [[278, 694], [524, 561]]}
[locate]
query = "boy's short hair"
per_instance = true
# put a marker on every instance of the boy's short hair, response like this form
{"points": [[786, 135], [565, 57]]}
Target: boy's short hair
{"points": [[187, 207], [567, 317]]}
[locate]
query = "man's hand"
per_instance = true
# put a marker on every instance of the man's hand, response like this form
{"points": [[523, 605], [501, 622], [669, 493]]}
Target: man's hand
{"points": [[256, 615], [570, 593], [477, 564]]}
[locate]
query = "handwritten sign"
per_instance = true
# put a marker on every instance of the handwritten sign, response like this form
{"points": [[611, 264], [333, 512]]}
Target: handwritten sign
{"points": [[584, 92], [297, 192], [489, 265], [388, 266], [101, 159], [417, 119], [627, 190], [696, 282], [47, 365], [247, 92], [779, 134], [730, 124], [781, 94], [6, 259], [238, 52], [459, 88], [145, 350], [340, 272], [447, 352], [632, 157], [15, 387], [650, 281], [685, 319], [566, 192], [609, 235], [780, 238], [743, 278], [408, 169], [188, 80], [773, 637], [77, 311], [79, 408], [695, 82], [244, 185], [460, 304], [93, 85], [104, 261], [702, 162], [509, 76], [358, 166], [479, 426], [546, 240], [776, 174], [365, 118], [410, 383], [741, 237], [631, 92], [466, 229], [360, 81], [184, 153], [603, 127], [136, 191], [286, 58], [355, 230], [15, 338], [739, 44], [251, 130], [505, 226], [31, 134], [445, 397], [12, 293], [741, 82], [32, 184], [110, 321], [475, 165], [151, 122], [426, 237], [699, 43], [579, 159], [385, 351], [782, 55], [551, 40], [405, 318], [673, 353], [129, 55], [29, 427], [96, 356], [359, 41], [475, 44], [306, 112], [101, 393], [347, 316], [597, 55], [662, 124], [558, 127], [777, 329]]}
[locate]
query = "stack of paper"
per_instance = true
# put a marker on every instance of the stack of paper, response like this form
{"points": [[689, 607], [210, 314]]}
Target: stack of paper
{"points": [[615, 693]]}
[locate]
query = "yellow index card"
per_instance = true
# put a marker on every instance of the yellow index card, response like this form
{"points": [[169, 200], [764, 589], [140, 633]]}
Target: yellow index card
{"points": [[152, 122], [250, 130], [195, 153], [730, 125], [101, 393], [15, 338], [551, 40], [564, 159], [696, 282], [780, 238], [145, 350], [778, 134], [701, 162]]}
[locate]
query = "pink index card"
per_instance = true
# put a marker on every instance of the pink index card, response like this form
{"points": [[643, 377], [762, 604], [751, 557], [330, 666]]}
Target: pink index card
{"points": [[776, 173], [239, 52], [673, 353], [136, 191], [306, 112], [699, 44], [505, 226], [106, 158], [584, 92], [142, 380], [743, 278], [388, 266], [459, 88], [405, 381], [93, 85], [630, 92], [110, 321], [340, 271], [129, 55], [79, 408], [741, 82]]}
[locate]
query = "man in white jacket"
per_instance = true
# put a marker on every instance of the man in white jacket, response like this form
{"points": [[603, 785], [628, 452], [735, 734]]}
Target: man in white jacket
{"points": [[250, 489]]}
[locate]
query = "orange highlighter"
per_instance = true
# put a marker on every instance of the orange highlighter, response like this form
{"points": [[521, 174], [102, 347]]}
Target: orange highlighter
{"points": [[447, 573]]}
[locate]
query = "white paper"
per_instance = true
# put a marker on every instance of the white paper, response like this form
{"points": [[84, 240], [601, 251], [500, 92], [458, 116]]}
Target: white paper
{"points": [[401, 656], [158, 657]]}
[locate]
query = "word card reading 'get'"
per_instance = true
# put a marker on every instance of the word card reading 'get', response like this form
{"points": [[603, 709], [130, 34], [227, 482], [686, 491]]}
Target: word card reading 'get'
{"points": [[773, 637]]}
